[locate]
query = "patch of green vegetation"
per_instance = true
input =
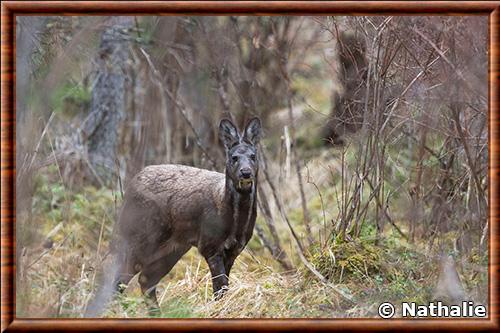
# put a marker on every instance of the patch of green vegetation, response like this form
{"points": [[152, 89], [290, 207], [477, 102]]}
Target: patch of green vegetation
{"points": [[81, 213], [129, 304], [315, 89], [402, 289], [71, 98], [178, 308], [350, 260], [135, 306], [389, 270]]}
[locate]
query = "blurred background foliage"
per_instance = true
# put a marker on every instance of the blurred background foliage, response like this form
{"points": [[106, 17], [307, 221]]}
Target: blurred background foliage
{"points": [[373, 184]]}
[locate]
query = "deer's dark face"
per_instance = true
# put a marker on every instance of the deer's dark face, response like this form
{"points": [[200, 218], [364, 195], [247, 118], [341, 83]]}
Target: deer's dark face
{"points": [[242, 166], [242, 163]]}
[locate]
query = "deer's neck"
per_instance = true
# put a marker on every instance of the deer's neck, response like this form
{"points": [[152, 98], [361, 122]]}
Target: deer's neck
{"points": [[241, 209]]}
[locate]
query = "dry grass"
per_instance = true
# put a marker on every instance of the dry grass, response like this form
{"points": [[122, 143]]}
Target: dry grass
{"points": [[60, 282]]}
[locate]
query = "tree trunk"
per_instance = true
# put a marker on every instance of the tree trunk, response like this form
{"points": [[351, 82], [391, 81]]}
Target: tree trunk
{"points": [[347, 105], [101, 128]]}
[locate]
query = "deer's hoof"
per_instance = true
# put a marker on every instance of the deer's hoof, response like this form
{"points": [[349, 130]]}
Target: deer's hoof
{"points": [[219, 293]]}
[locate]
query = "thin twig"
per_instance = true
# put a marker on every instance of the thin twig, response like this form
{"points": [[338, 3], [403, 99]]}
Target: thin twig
{"points": [[41, 138], [457, 71]]}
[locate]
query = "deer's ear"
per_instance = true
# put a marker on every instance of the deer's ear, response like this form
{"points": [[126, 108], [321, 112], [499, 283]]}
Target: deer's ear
{"points": [[228, 133], [252, 131]]}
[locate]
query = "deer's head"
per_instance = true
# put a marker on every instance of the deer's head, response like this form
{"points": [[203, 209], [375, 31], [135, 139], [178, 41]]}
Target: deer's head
{"points": [[242, 162]]}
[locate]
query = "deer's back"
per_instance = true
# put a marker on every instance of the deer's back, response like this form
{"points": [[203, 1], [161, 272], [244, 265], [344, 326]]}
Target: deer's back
{"points": [[170, 184]]}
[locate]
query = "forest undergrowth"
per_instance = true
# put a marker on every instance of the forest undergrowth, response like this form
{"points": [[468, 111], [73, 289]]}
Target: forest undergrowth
{"points": [[72, 245]]}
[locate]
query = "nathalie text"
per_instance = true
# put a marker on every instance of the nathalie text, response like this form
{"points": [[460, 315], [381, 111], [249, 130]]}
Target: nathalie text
{"points": [[438, 309]]}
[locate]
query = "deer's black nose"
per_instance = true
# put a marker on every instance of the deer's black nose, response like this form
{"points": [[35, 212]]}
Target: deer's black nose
{"points": [[246, 173]]}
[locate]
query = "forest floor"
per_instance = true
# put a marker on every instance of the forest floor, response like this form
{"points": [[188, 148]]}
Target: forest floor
{"points": [[60, 269]]}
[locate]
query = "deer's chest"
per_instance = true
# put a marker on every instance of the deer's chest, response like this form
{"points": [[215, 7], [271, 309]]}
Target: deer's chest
{"points": [[243, 221]]}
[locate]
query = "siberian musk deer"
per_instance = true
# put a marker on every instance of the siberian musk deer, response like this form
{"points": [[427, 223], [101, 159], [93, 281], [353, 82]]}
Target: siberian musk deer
{"points": [[167, 209]]}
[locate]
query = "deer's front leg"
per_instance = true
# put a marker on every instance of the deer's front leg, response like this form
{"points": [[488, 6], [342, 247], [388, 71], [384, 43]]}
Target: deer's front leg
{"points": [[219, 277], [230, 255]]}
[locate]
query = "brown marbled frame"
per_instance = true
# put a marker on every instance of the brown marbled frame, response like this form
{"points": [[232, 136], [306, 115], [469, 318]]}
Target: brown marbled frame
{"points": [[11, 8]]}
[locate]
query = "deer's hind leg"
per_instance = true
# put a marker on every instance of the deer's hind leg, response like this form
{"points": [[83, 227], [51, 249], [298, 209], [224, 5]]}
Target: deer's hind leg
{"points": [[116, 276], [127, 270], [153, 272]]}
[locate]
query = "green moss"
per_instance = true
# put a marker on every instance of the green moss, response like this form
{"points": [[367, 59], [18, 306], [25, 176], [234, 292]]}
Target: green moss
{"points": [[389, 270], [348, 260]]}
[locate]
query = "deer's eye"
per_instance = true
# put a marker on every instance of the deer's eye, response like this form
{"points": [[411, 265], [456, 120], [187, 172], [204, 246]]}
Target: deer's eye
{"points": [[252, 157], [234, 159]]}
